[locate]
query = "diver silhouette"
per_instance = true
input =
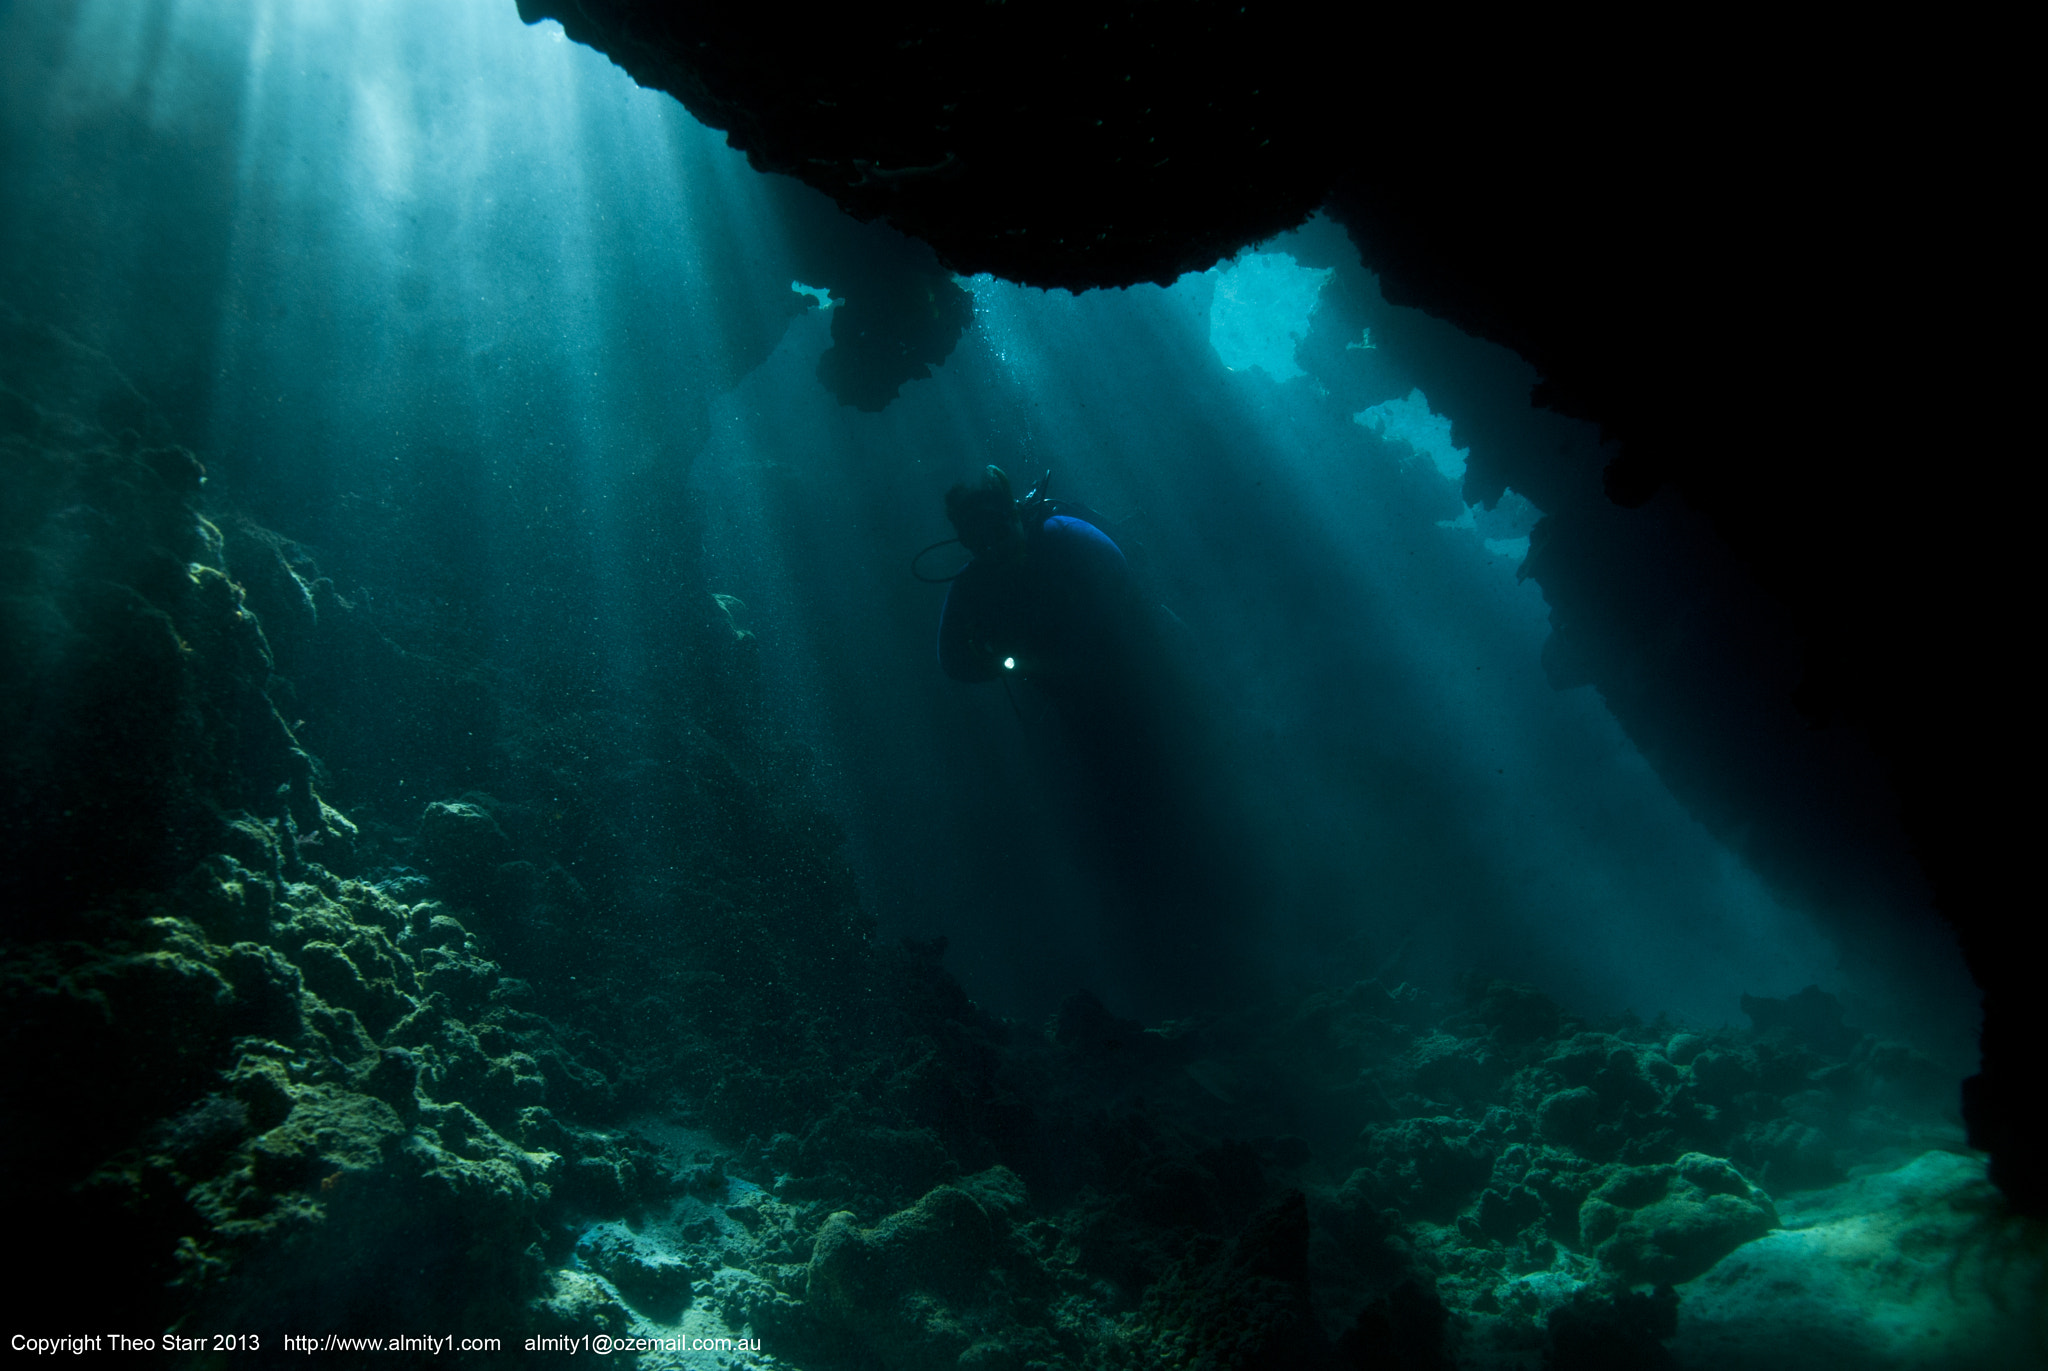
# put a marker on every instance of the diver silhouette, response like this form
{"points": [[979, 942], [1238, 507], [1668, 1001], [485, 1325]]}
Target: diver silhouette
{"points": [[1049, 599], [1047, 596]]}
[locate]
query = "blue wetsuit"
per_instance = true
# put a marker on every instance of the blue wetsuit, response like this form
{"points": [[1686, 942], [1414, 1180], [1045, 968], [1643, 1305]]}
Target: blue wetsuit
{"points": [[1055, 609]]}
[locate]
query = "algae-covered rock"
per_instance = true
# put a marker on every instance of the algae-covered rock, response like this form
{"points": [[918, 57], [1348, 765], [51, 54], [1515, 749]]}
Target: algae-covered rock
{"points": [[1683, 1047], [286, 1140], [1511, 1017], [652, 1278], [1568, 1116], [744, 1299], [332, 974], [461, 844], [941, 1244], [1669, 1223], [1722, 1074], [1505, 1212], [1241, 1304], [998, 1190], [1426, 1167], [929, 1284], [579, 1302], [1442, 1064], [1580, 1058], [329, 1131]]}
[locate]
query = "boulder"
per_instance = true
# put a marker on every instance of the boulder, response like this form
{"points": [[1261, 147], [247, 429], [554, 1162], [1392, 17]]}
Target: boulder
{"points": [[1669, 1223]]}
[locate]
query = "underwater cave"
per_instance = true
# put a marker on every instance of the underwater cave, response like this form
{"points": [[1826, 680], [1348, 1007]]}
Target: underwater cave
{"points": [[1507, 859]]}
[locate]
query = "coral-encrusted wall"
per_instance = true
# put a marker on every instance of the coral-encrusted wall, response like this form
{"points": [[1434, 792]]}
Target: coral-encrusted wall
{"points": [[222, 1056]]}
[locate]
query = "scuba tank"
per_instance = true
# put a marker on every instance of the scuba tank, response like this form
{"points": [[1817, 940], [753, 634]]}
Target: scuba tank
{"points": [[1034, 508], [1033, 511]]}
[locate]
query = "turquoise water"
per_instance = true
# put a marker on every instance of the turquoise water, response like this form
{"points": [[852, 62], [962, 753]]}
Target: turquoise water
{"points": [[506, 379]]}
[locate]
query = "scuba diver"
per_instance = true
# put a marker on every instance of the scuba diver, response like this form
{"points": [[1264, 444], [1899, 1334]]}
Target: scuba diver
{"points": [[1125, 750], [1047, 595]]}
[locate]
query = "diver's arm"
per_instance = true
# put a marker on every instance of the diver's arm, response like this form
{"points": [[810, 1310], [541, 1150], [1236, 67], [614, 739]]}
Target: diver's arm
{"points": [[963, 655]]}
